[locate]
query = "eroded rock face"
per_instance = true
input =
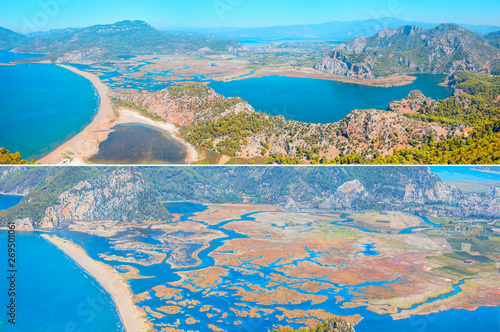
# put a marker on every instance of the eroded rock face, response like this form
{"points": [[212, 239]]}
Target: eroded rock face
{"points": [[350, 195], [411, 49], [338, 63], [187, 105], [438, 192], [122, 195], [24, 225]]}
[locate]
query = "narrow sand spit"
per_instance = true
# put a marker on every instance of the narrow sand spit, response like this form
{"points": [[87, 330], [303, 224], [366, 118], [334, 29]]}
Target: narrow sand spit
{"points": [[86, 143], [133, 318]]}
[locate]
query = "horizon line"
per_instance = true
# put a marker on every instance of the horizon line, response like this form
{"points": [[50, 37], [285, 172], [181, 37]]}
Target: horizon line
{"points": [[179, 28]]}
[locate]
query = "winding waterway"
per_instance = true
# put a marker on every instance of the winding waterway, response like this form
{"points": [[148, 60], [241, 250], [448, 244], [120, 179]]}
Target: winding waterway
{"points": [[164, 274], [486, 319]]}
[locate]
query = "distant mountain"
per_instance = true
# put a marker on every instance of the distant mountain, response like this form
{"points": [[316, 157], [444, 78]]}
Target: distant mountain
{"points": [[52, 33], [331, 30], [10, 39], [106, 42], [494, 38], [411, 49]]}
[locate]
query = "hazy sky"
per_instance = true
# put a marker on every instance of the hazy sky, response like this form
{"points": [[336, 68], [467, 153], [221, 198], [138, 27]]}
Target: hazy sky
{"points": [[27, 15]]}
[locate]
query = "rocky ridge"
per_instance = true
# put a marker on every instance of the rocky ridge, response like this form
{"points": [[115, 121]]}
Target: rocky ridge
{"points": [[362, 131], [411, 49], [132, 195]]}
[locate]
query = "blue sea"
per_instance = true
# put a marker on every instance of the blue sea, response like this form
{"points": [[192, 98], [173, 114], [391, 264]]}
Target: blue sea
{"points": [[466, 173], [42, 106], [52, 292], [322, 101]]}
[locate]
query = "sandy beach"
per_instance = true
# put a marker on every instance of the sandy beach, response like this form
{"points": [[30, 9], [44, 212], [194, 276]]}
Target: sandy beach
{"points": [[85, 144], [133, 318]]}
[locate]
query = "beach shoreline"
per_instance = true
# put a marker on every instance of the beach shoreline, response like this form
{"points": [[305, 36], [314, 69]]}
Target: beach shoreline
{"points": [[85, 143], [133, 318], [79, 149], [385, 82]]}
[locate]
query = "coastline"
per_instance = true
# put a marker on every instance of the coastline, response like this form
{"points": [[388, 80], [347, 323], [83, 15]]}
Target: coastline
{"points": [[386, 82], [133, 318], [85, 144]]}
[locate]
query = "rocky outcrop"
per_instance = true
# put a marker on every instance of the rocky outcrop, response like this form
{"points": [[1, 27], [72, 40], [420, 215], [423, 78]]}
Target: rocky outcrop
{"points": [[339, 63], [122, 195], [185, 105], [24, 225], [92, 54], [351, 195], [493, 192], [411, 49], [438, 192]]}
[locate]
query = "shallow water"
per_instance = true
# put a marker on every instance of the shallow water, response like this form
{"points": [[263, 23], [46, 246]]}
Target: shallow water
{"points": [[486, 319], [140, 144], [42, 106]]}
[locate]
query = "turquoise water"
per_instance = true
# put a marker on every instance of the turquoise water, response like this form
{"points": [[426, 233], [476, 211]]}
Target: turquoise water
{"points": [[484, 318], [7, 201], [42, 106], [322, 101], [44, 275], [54, 293], [465, 173], [7, 57]]}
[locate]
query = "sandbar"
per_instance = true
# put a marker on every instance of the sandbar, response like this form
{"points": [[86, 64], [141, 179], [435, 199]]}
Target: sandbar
{"points": [[85, 144], [133, 318]]}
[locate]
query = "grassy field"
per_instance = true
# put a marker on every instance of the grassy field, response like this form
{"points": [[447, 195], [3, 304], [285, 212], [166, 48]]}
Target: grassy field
{"points": [[474, 186]]}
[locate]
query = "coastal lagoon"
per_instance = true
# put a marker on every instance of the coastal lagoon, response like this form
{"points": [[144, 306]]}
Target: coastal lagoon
{"points": [[53, 292], [322, 101], [42, 107], [135, 143], [197, 302]]}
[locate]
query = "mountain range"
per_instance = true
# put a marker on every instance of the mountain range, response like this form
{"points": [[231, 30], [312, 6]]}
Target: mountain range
{"points": [[107, 42], [339, 31], [412, 49], [64, 194]]}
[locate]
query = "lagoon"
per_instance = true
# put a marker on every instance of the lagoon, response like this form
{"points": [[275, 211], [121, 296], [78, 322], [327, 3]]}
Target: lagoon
{"points": [[322, 101]]}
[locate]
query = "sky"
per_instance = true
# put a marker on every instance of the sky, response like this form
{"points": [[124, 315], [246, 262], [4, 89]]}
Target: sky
{"points": [[40, 15]]}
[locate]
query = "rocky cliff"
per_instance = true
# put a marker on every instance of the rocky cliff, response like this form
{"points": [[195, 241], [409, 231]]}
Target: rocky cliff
{"points": [[118, 194], [122, 195], [186, 105], [411, 49], [133, 194]]}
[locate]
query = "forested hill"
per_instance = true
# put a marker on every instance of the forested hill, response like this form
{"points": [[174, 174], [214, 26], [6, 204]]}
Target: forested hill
{"points": [[106, 42], [59, 195], [412, 49], [10, 39]]}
